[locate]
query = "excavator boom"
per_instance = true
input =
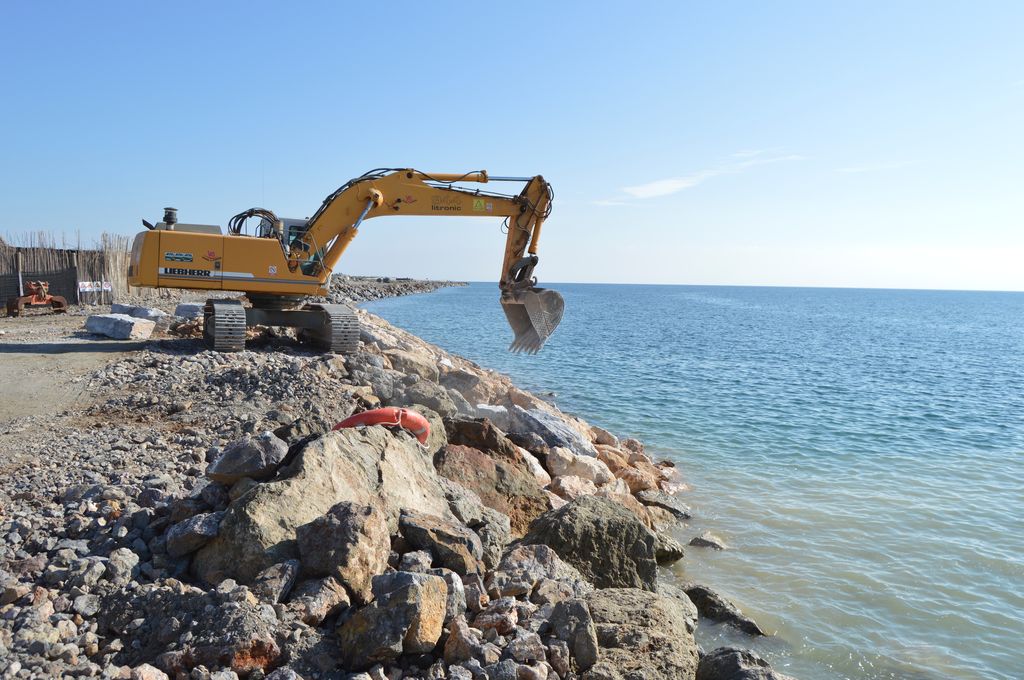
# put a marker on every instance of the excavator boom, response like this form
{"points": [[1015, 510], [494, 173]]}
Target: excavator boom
{"points": [[295, 258]]}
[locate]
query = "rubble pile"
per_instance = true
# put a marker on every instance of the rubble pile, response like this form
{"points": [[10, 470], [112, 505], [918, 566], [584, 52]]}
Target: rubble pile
{"points": [[204, 521]]}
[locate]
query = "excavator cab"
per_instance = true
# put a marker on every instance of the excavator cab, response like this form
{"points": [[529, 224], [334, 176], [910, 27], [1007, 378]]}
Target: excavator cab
{"points": [[533, 313]]}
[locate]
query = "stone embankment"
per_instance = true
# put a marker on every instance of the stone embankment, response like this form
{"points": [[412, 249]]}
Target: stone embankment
{"points": [[363, 288], [201, 520]]}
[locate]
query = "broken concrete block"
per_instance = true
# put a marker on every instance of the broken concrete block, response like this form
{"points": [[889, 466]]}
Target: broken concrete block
{"points": [[120, 326]]}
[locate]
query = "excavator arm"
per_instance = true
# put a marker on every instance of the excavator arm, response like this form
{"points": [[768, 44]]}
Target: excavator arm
{"points": [[533, 313]]}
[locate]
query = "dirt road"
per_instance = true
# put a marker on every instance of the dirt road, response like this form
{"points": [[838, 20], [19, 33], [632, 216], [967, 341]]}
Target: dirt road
{"points": [[43, 360]]}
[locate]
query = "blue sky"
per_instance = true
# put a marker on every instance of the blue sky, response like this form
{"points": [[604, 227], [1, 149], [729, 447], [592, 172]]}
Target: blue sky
{"points": [[823, 144]]}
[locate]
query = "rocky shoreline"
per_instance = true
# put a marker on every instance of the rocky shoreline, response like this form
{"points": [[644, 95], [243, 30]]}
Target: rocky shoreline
{"points": [[199, 519]]}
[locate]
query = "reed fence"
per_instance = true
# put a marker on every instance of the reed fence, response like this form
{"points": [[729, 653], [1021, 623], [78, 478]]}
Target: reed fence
{"points": [[97, 275]]}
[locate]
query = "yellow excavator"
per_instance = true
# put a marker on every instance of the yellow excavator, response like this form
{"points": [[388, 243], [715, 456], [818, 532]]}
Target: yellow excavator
{"points": [[287, 260]]}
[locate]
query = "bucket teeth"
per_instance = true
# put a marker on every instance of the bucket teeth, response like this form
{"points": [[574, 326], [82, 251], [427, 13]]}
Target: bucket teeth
{"points": [[533, 314]]}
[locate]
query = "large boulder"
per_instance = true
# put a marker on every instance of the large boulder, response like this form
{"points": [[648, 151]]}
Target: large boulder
{"points": [[350, 542], [553, 430], [728, 663], [640, 635], [606, 542], [369, 466], [406, 617], [120, 326], [502, 485], [253, 457]]}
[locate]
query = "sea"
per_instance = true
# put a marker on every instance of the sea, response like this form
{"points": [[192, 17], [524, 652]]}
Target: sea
{"points": [[861, 453]]}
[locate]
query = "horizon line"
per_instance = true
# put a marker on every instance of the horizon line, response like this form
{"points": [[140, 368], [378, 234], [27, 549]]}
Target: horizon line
{"points": [[752, 285]]}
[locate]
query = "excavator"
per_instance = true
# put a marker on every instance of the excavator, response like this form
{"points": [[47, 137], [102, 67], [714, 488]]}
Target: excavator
{"points": [[286, 261]]}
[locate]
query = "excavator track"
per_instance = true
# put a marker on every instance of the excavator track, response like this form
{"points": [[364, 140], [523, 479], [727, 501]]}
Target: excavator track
{"points": [[340, 332], [224, 325]]}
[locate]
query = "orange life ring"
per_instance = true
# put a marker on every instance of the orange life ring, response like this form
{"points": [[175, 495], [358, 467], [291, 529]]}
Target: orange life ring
{"points": [[406, 418]]}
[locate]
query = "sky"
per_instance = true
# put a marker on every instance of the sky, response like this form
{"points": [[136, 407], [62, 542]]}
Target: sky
{"points": [[869, 144]]}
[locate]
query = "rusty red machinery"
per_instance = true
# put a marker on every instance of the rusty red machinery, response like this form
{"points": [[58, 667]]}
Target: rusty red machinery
{"points": [[38, 296]]}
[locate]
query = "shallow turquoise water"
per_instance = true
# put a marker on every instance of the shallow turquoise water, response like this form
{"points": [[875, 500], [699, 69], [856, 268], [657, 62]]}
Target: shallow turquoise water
{"points": [[861, 451]]}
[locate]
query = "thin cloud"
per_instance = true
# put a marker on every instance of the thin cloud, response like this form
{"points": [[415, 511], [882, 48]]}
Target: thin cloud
{"points": [[611, 202], [875, 167], [672, 185]]}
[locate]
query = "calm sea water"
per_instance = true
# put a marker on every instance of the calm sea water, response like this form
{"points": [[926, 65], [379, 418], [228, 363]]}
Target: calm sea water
{"points": [[861, 452]]}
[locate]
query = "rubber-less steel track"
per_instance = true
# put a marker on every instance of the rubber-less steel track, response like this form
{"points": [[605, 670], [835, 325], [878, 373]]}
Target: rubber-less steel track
{"points": [[340, 333], [224, 325]]}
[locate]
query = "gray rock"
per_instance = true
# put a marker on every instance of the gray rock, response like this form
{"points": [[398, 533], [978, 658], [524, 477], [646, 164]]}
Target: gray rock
{"points": [[406, 617], [365, 466], [667, 550], [193, 533], [558, 657], [350, 542], [641, 635], [437, 439], [283, 674], [275, 582], [453, 545], [713, 606], [708, 540], [253, 457], [606, 542], [572, 623], [425, 392], [658, 499], [498, 415], [122, 566], [417, 560], [503, 670], [456, 603], [315, 600], [523, 567], [727, 663], [189, 310], [552, 429], [150, 313], [464, 504], [87, 605], [412, 363], [120, 326], [682, 601], [495, 532]]}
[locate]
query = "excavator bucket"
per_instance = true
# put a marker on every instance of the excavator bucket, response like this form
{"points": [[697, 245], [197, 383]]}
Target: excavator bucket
{"points": [[533, 314]]}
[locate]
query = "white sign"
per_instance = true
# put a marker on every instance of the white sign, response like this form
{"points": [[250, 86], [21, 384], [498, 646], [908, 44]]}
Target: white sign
{"points": [[94, 286]]}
